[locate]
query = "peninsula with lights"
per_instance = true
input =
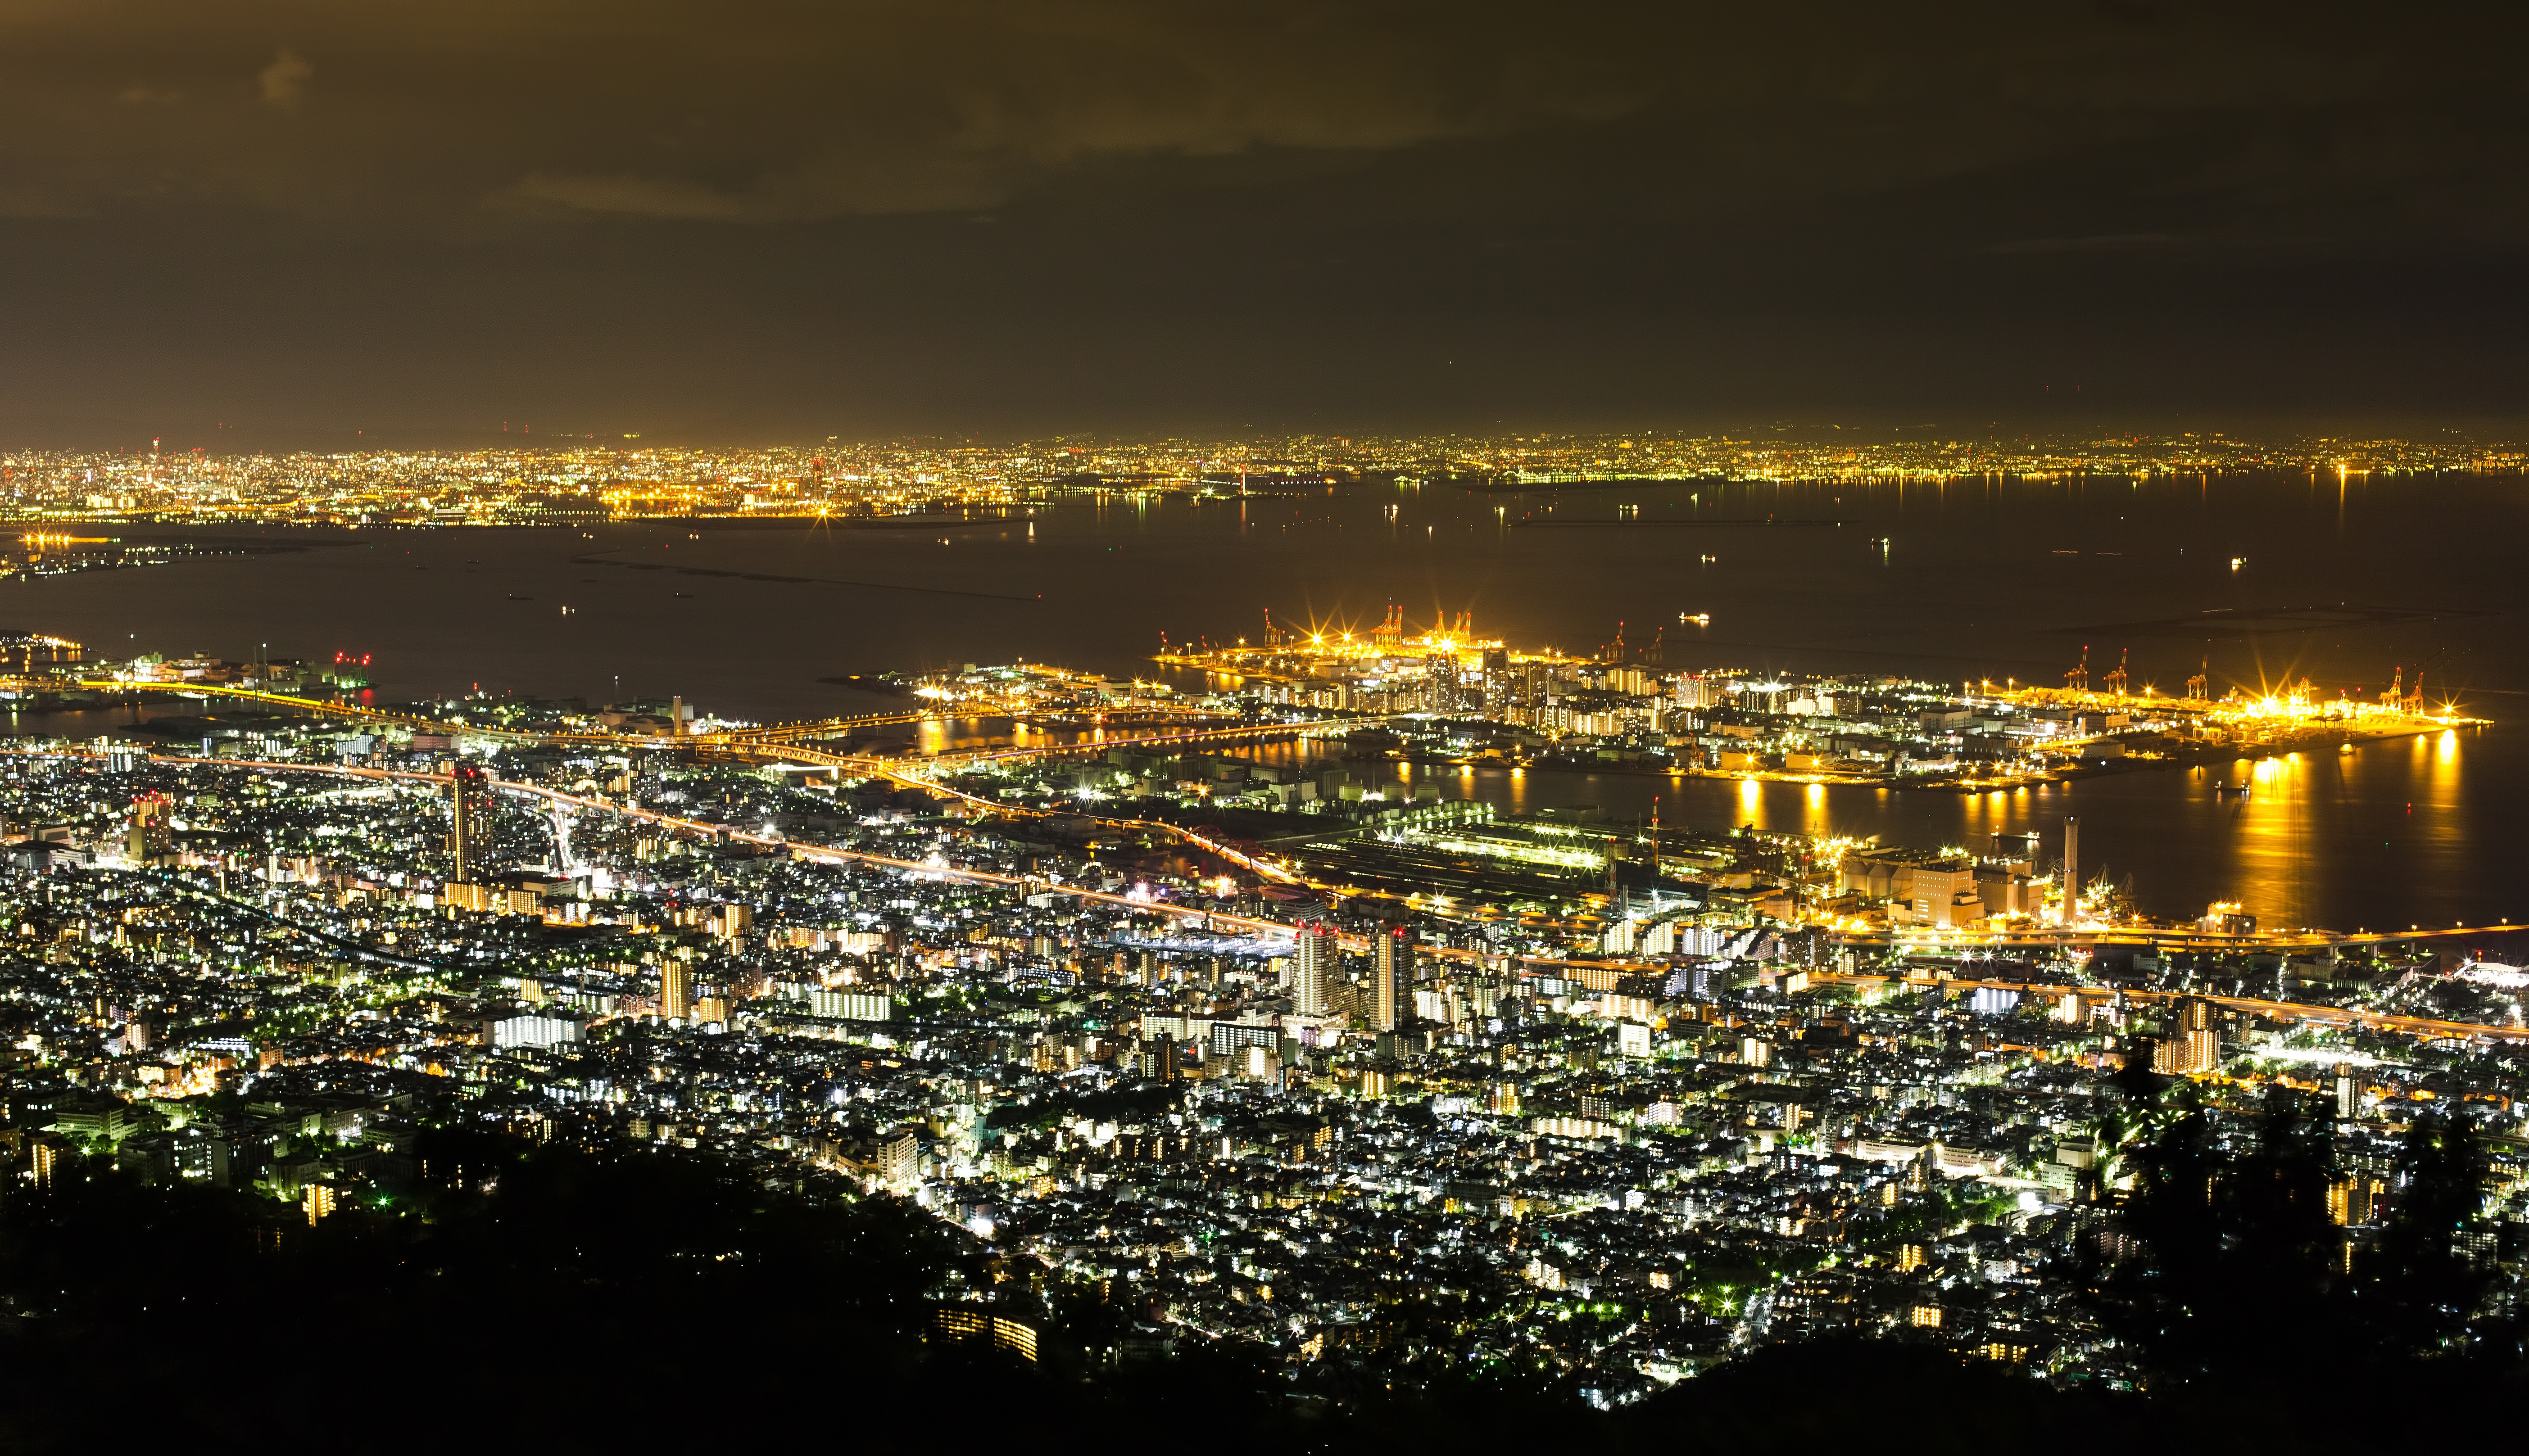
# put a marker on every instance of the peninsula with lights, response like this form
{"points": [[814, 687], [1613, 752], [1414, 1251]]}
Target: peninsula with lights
{"points": [[1449, 695]]}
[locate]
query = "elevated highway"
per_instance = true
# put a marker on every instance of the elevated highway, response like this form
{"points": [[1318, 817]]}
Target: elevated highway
{"points": [[2347, 1017], [2145, 937]]}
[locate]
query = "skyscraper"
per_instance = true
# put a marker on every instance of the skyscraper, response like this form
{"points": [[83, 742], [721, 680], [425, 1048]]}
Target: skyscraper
{"points": [[676, 990], [1315, 961], [1389, 979], [469, 836]]}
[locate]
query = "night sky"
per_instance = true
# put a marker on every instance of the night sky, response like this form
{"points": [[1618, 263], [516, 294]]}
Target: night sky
{"points": [[254, 225]]}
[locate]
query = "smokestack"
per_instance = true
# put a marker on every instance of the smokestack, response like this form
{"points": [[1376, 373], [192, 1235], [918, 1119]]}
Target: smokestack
{"points": [[2072, 867]]}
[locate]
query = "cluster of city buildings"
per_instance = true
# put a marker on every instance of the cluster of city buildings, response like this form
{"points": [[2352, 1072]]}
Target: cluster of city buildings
{"points": [[577, 481], [1330, 1124], [1832, 454]]}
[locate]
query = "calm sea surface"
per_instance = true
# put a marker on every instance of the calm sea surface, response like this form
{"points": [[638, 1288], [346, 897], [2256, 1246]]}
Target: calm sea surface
{"points": [[1963, 581]]}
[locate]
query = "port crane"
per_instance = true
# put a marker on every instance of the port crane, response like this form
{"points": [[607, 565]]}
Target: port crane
{"points": [[2116, 681], [2200, 686], [2078, 680]]}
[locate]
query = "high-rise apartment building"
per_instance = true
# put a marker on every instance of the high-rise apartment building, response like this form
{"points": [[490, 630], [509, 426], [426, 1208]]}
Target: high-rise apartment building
{"points": [[676, 990], [469, 836], [2193, 1043], [1317, 959], [1391, 979]]}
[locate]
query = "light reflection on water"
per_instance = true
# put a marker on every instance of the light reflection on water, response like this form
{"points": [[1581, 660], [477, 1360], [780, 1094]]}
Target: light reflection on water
{"points": [[2182, 842]]}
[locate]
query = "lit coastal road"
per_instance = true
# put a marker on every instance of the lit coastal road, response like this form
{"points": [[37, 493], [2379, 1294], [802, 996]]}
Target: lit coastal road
{"points": [[882, 768], [1222, 735], [832, 728], [2146, 938], [337, 708], [2340, 1016]]}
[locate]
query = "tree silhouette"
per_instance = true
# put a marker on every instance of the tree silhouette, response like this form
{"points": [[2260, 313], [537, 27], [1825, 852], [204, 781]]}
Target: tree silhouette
{"points": [[2224, 1246], [2228, 1270], [2420, 1285]]}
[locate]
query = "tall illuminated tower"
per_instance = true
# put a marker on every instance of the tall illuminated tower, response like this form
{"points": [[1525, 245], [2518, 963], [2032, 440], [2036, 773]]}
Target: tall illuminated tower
{"points": [[469, 836], [1315, 961], [676, 990], [1389, 980]]}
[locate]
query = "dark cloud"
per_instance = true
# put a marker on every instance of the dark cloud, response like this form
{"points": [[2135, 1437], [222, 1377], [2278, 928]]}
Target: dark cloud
{"points": [[727, 217], [751, 112], [2105, 242], [285, 80]]}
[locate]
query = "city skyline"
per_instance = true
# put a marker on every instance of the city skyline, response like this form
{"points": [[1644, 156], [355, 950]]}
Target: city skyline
{"points": [[590, 482], [1390, 728]]}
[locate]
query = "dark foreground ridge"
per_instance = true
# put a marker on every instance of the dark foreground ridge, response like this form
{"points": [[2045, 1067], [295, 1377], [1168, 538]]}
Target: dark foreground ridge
{"points": [[525, 1297]]}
